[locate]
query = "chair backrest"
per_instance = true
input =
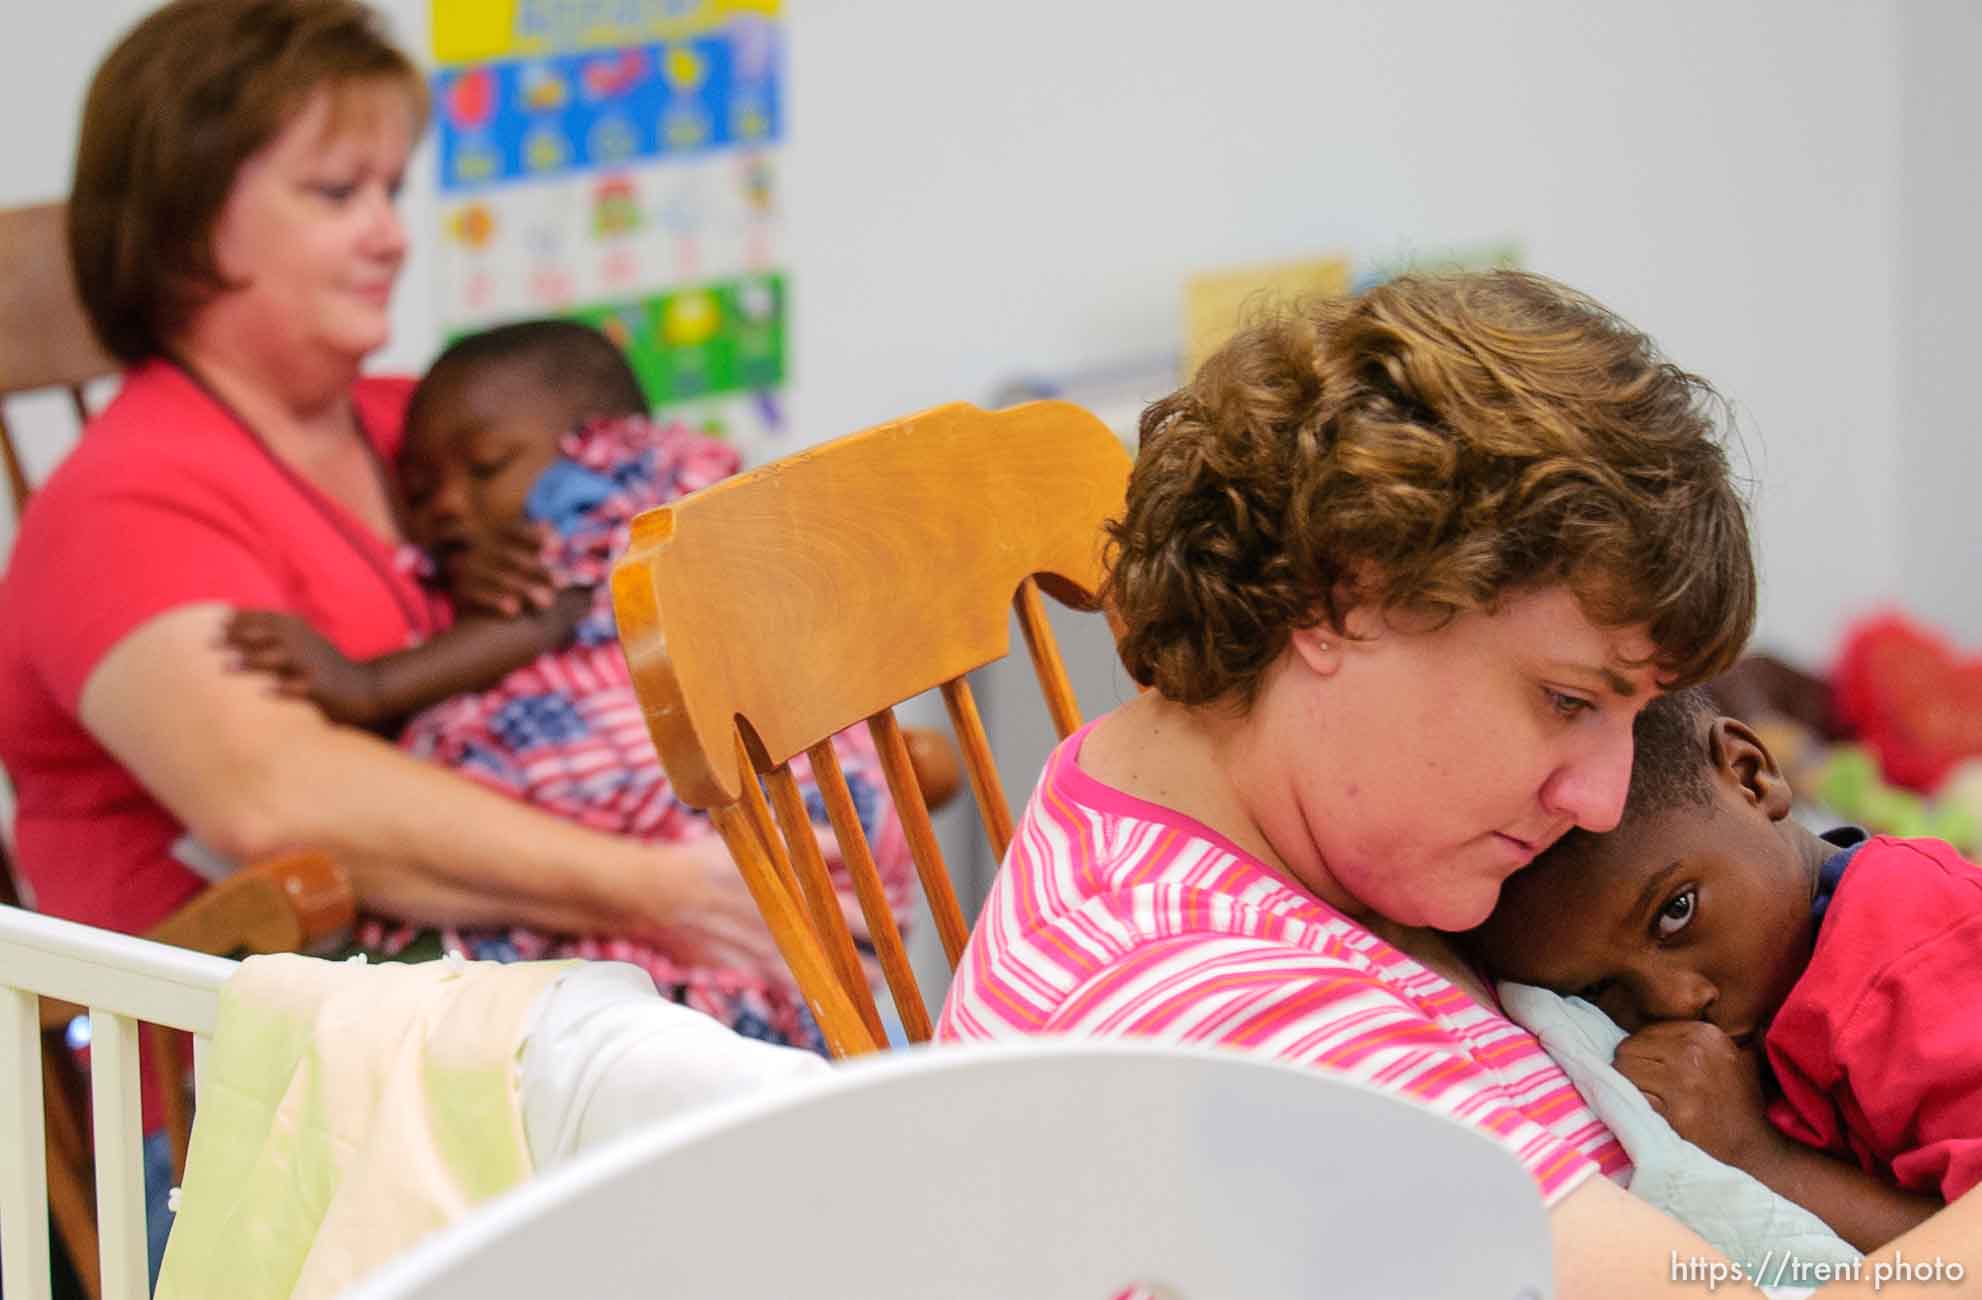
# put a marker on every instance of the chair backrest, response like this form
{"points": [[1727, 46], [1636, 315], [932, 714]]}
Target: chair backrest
{"points": [[123, 981], [1039, 1169], [765, 613], [45, 339]]}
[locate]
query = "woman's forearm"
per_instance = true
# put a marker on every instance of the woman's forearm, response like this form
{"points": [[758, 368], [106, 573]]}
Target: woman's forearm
{"points": [[1858, 1207], [251, 773]]}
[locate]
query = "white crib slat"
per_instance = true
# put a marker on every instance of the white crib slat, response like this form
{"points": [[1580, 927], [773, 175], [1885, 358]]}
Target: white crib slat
{"points": [[120, 1184], [201, 1044], [23, 1155]]}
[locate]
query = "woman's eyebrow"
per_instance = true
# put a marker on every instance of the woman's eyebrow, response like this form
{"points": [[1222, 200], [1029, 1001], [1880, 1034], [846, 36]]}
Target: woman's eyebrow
{"points": [[1618, 683]]}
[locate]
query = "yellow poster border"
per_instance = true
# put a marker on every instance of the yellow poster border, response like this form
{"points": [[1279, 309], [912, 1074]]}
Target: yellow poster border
{"points": [[482, 31]]}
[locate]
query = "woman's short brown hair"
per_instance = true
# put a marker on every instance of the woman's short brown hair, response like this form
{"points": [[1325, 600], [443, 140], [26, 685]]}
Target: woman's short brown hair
{"points": [[189, 94], [1435, 443]]}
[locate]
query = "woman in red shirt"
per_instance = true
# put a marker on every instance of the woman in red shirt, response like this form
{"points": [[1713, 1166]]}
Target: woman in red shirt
{"points": [[236, 243]]}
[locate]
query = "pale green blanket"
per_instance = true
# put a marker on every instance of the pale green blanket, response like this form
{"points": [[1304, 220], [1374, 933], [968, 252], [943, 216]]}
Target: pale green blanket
{"points": [[346, 1111]]}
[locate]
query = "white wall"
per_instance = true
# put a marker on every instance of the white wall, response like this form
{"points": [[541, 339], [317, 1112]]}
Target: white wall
{"points": [[1939, 339], [983, 188], [1770, 187]]}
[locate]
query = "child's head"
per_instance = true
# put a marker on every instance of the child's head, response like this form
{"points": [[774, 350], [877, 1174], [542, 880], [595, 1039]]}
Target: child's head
{"points": [[1696, 907], [485, 422]]}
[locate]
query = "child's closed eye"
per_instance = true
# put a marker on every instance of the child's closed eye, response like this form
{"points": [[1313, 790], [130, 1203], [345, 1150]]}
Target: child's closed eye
{"points": [[487, 467]]}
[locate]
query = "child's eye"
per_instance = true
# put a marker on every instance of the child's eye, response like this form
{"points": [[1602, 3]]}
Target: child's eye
{"points": [[489, 466], [336, 191], [1676, 915]]}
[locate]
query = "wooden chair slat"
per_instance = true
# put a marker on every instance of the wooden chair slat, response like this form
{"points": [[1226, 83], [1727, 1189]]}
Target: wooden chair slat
{"points": [[894, 558], [979, 765], [822, 901], [1046, 662], [71, 1200], [170, 1063], [45, 337], [843, 1027], [873, 895], [930, 868], [768, 838], [17, 477]]}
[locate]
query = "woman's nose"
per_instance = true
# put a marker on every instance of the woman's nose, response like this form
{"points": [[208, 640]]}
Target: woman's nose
{"points": [[387, 234], [1590, 788]]}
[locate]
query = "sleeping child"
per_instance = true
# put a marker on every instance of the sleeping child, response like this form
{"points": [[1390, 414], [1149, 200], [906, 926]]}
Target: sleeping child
{"points": [[1801, 1006], [539, 431]]}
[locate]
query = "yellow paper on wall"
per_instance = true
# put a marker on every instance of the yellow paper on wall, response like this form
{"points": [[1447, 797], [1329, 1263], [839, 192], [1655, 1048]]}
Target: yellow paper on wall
{"points": [[1216, 302]]}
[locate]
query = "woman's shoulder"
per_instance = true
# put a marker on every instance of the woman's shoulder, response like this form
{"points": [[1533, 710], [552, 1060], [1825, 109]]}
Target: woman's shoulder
{"points": [[156, 428], [381, 401]]}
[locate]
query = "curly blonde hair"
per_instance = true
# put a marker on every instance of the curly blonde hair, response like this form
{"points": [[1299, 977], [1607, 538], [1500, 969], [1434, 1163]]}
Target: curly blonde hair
{"points": [[1436, 443]]}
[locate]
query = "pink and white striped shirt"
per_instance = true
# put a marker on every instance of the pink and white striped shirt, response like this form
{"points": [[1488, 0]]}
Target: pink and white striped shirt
{"points": [[1113, 916]]}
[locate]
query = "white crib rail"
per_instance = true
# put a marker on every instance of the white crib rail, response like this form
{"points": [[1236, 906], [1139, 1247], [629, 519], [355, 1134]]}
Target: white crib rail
{"points": [[122, 981]]}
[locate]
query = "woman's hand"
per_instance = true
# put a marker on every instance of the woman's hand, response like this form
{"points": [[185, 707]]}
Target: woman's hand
{"points": [[708, 917], [303, 664], [1708, 1087], [503, 576]]}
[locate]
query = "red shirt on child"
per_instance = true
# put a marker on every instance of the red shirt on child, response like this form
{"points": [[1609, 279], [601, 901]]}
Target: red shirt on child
{"points": [[1878, 1049]]}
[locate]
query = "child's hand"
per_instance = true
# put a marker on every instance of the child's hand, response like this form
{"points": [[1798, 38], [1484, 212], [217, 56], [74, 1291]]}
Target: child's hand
{"points": [[1708, 1087], [303, 664], [503, 577]]}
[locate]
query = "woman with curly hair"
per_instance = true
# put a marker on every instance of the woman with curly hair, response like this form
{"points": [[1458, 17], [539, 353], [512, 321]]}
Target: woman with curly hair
{"points": [[1398, 572]]}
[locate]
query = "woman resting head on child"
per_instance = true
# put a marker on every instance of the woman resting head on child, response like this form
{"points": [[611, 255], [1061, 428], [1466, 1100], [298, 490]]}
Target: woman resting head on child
{"points": [[1399, 572], [1801, 1006]]}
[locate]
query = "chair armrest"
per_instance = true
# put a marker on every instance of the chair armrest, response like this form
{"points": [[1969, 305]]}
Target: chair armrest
{"points": [[280, 904], [936, 768]]}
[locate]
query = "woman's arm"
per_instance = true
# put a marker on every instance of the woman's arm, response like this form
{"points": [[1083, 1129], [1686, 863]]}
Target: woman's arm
{"points": [[1864, 1210], [1610, 1245], [252, 774]]}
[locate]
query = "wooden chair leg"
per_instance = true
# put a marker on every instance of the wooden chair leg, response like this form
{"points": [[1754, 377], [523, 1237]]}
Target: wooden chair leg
{"points": [[71, 1190], [167, 1047]]}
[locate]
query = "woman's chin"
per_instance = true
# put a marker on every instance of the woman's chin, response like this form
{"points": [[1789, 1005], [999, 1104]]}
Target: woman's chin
{"points": [[1456, 914]]}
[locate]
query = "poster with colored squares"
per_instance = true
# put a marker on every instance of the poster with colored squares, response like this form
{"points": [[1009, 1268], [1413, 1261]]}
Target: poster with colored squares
{"points": [[616, 162]]}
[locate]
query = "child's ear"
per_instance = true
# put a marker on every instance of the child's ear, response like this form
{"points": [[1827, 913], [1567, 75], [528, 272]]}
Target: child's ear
{"points": [[1740, 757]]}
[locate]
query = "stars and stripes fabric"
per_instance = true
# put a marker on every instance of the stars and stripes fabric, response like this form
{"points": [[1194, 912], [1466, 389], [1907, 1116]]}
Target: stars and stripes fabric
{"points": [[1113, 916], [565, 734]]}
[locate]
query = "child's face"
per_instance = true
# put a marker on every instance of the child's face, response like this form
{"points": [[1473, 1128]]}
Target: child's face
{"points": [[1701, 912], [477, 445]]}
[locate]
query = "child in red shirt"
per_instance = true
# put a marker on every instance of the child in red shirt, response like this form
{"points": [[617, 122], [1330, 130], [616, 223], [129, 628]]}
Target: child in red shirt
{"points": [[1789, 994]]}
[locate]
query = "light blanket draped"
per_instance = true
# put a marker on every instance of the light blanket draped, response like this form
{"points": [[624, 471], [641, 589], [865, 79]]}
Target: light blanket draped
{"points": [[347, 1111]]}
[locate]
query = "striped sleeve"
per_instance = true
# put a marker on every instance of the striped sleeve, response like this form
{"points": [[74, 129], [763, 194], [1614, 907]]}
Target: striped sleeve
{"points": [[1315, 1009]]}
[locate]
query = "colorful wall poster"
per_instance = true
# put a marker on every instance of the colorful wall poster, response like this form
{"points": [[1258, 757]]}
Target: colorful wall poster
{"points": [[1219, 302], [616, 161], [1502, 254], [1216, 302]]}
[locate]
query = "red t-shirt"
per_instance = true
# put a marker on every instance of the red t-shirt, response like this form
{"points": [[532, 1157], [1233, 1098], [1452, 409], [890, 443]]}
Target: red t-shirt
{"points": [[1879, 1046], [167, 501]]}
